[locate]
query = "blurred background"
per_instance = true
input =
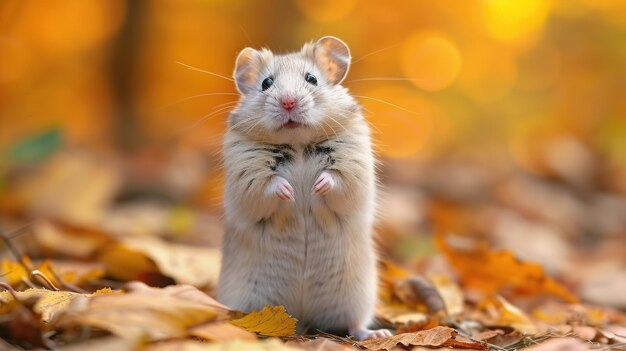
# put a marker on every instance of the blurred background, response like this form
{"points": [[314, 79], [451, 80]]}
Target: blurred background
{"points": [[502, 121]]}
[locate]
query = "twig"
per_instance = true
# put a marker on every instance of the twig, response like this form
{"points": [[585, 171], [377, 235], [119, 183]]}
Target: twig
{"points": [[67, 286], [49, 284], [29, 283], [9, 288], [14, 251]]}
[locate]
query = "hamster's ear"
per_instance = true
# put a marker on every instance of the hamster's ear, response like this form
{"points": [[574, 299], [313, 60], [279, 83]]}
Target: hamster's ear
{"points": [[332, 56], [247, 69]]}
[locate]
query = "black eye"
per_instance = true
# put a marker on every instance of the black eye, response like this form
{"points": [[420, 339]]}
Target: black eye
{"points": [[310, 78], [267, 82]]}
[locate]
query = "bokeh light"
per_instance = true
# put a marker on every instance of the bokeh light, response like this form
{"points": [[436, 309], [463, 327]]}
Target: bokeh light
{"points": [[431, 61]]}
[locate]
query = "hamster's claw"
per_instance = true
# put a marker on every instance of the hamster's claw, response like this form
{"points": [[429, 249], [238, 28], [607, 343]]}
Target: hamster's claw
{"points": [[323, 184], [367, 334], [281, 188]]}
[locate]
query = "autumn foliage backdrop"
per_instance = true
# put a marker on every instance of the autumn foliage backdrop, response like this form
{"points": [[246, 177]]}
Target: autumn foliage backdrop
{"points": [[502, 122]]}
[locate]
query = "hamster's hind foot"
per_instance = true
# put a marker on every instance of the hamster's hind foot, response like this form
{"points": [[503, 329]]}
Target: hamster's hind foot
{"points": [[367, 334]]}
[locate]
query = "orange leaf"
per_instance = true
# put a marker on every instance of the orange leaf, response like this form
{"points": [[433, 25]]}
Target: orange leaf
{"points": [[491, 271]]}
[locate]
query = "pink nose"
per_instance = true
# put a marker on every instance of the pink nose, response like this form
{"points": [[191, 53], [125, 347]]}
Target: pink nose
{"points": [[288, 102]]}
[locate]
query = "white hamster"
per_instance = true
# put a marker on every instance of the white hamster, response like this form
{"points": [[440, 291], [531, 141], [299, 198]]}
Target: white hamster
{"points": [[300, 192]]}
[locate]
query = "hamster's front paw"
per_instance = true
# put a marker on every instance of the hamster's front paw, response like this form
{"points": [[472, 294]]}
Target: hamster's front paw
{"points": [[324, 183], [281, 188]]}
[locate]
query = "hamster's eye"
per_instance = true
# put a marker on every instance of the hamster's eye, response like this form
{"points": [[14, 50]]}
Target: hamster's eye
{"points": [[310, 78], [267, 82]]}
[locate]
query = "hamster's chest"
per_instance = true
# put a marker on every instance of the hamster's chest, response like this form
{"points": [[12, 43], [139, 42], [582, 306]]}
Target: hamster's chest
{"points": [[300, 165]]}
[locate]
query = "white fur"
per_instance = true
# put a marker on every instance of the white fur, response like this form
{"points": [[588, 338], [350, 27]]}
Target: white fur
{"points": [[309, 249]]}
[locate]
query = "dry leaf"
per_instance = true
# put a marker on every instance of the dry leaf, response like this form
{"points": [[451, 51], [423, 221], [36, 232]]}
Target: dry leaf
{"points": [[508, 314], [491, 271], [102, 344], [75, 187], [185, 292], [270, 321], [435, 337], [133, 256], [561, 344], [221, 331], [141, 314], [449, 291], [67, 241], [239, 345], [49, 303]]}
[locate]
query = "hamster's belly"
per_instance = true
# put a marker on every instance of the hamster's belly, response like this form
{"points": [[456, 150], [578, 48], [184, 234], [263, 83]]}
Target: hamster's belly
{"points": [[318, 264]]}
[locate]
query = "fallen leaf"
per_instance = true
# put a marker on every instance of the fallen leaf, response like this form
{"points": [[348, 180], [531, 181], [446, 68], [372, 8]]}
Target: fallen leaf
{"points": [[185, 292], [449, 292], [435, 337], [319, 345], [143, 314], [128, 259], [68, 241], [507, 314], [561, 344], [239, 345], [491, 271], [74, 186], [270, 321], [221, 331], [49, 303], [102, 344]]}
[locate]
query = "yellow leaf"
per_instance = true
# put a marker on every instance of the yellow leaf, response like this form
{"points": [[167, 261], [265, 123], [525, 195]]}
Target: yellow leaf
{"points": [[221, 331], [49, 302], [197, 266], [508, 314], [126, 264], [270, 321], [13, 272]]}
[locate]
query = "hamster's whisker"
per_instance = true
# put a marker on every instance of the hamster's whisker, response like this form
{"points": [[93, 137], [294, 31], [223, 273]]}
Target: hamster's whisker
{"points": [[386, 103], [205, 118], [249, 129], [339, 124], [228, 103], [237, 124], [375, 52], [390, 79], [324, 130], [205, 71]]}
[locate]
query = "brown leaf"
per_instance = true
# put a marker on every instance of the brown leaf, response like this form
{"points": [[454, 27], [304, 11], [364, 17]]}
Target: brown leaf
{"points": [[435, 337], [238, 345]]}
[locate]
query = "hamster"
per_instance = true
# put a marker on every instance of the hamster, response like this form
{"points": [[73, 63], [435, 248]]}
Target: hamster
{"points": [[300, 192]]}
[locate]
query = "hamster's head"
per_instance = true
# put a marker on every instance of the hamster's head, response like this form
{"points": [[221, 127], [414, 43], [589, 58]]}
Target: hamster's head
{"points": [[295, 97]]}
